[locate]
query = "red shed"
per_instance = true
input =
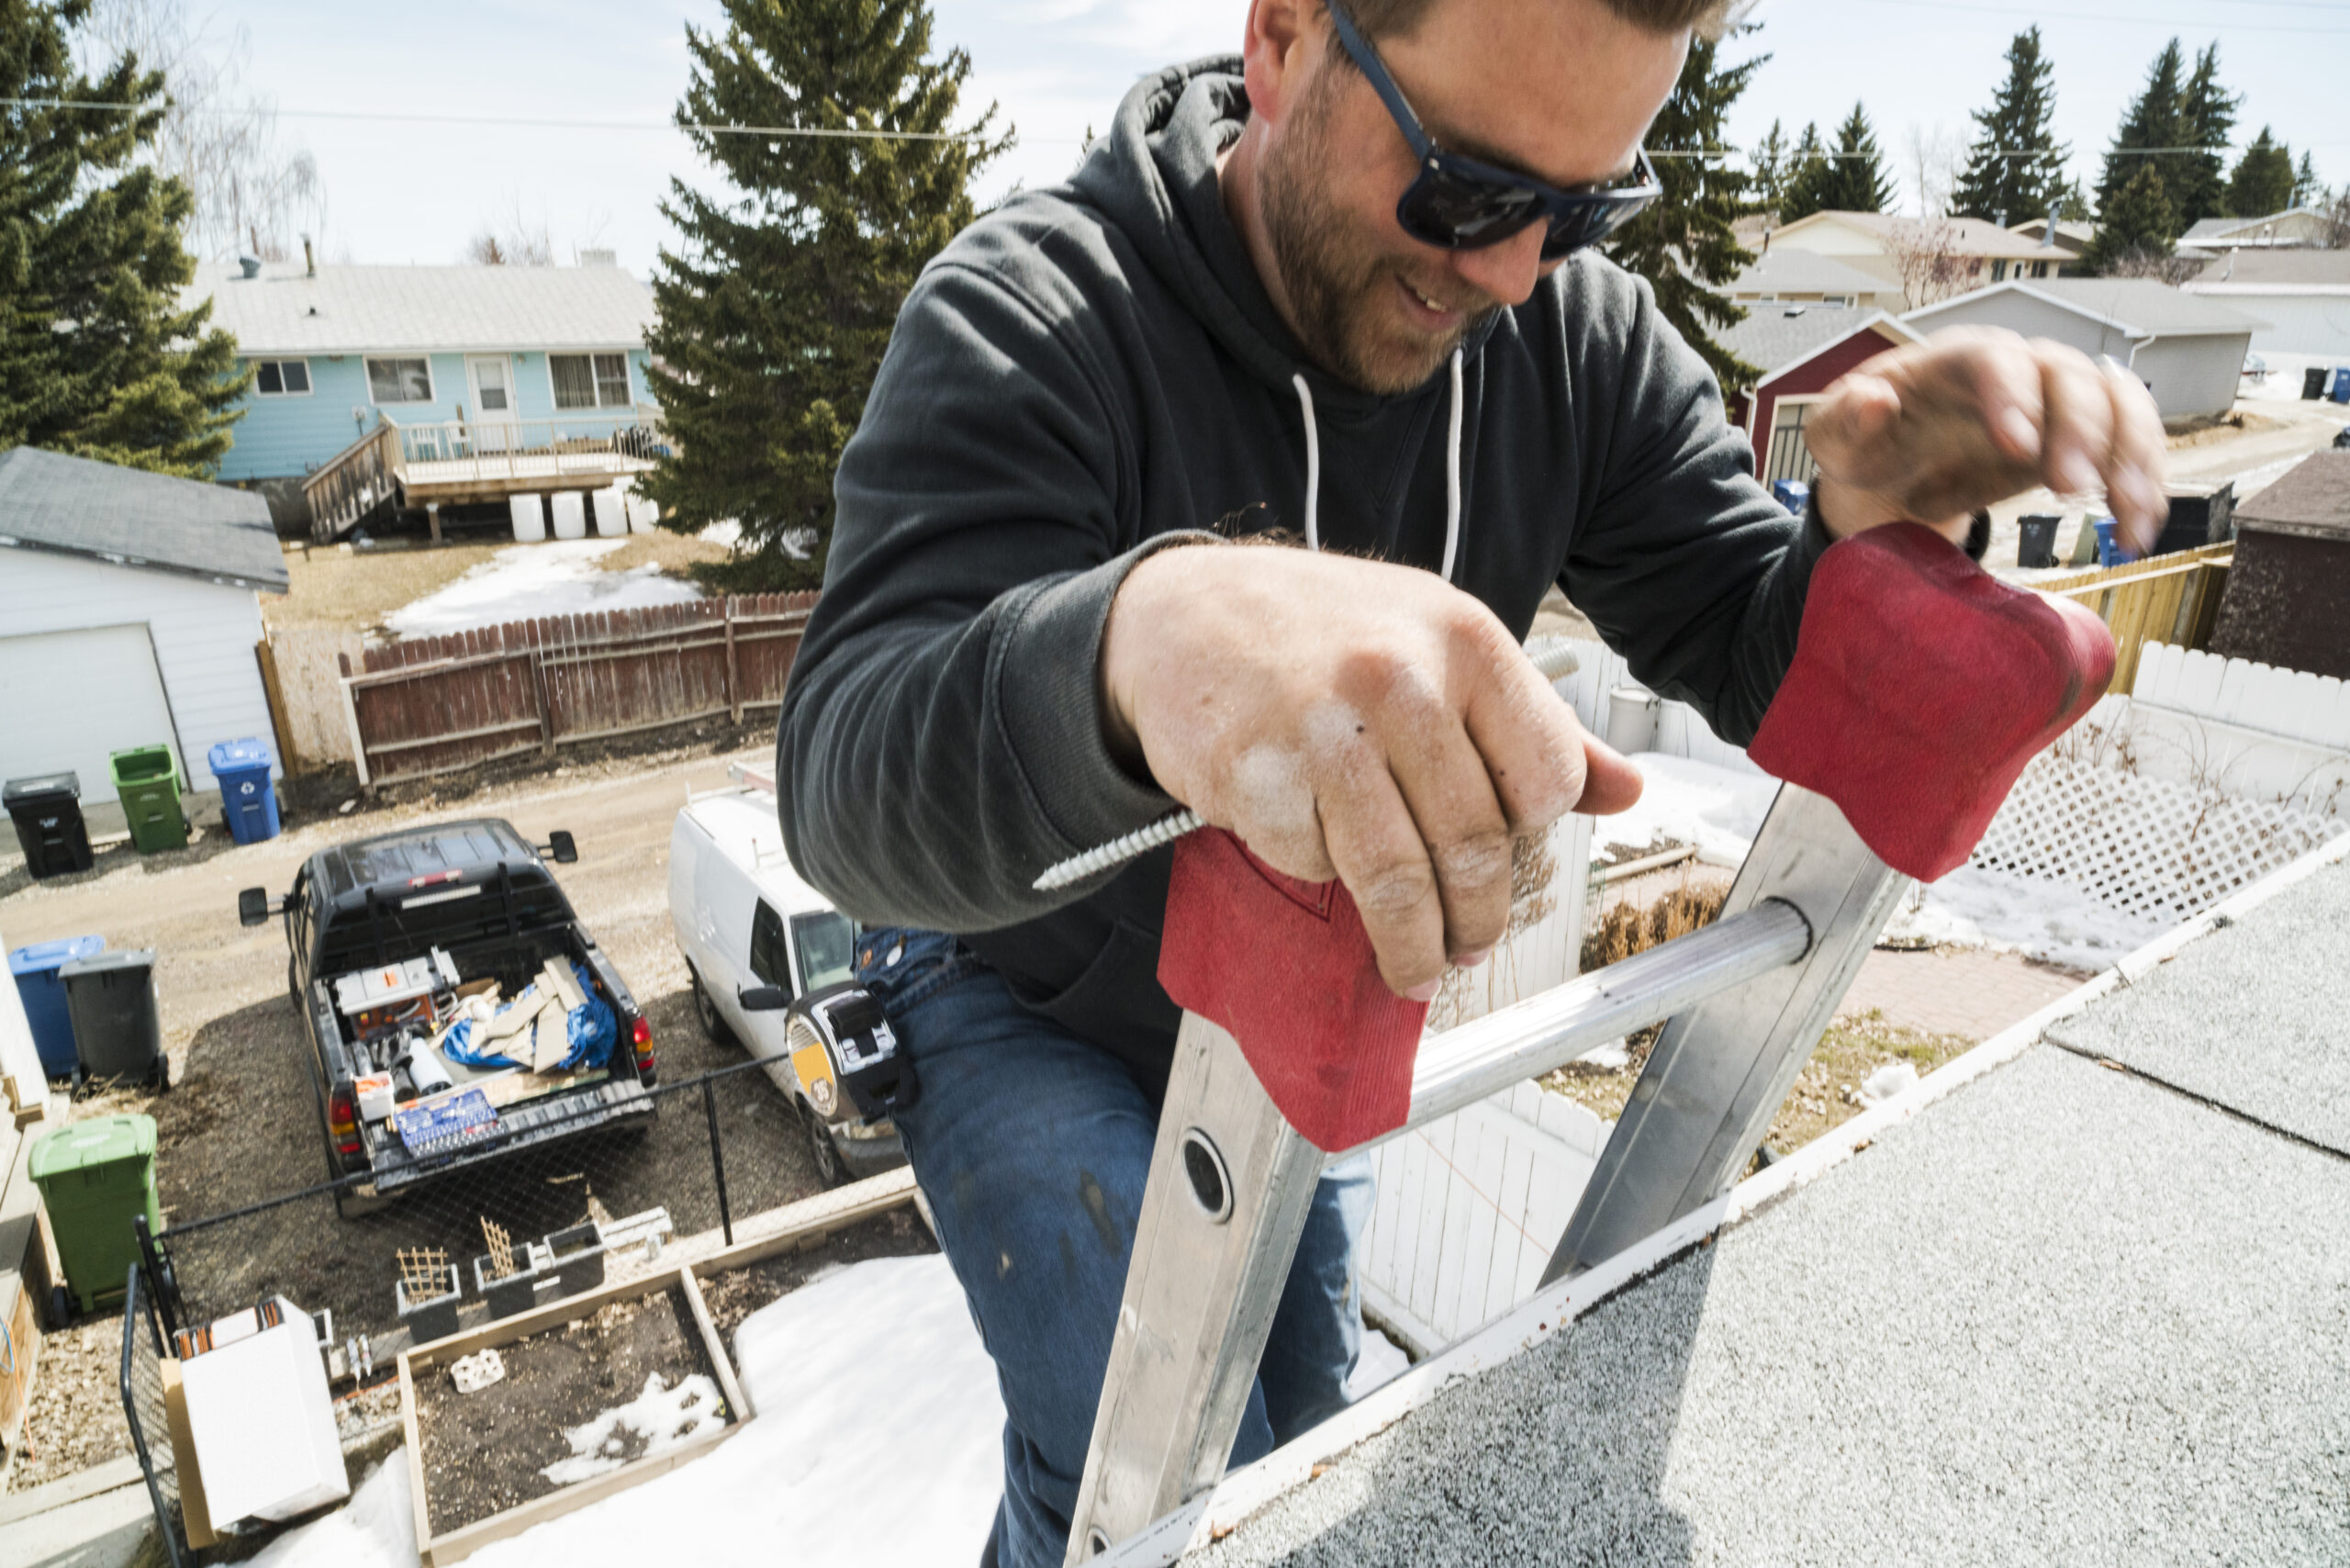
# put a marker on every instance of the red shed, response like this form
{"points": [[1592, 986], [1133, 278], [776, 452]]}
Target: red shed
{"points": [[1800, 348]]}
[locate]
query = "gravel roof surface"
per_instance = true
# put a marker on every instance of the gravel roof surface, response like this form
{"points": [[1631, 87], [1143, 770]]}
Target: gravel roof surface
{"points": [[2251, 1016], [2065, 1317]]}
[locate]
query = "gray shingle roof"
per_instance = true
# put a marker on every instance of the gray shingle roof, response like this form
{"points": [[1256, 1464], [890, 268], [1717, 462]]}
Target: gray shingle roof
{"points": [[1774, 337], [1805, 272], [2140, 306], [365, 309], [2312, 494], [50, 501], [2281, 270]]}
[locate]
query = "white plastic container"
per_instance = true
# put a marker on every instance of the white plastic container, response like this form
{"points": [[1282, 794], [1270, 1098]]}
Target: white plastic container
{"points": [[529, 515], [644, 513], [570, 510], [611, 513], [261, 1422], [375, 1098]]}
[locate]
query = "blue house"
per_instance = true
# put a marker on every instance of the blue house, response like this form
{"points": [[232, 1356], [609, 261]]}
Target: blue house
{"points": [[401, 387]]}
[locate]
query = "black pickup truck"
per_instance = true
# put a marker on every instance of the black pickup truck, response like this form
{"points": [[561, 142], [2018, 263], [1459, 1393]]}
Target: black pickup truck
{"points": [[385, 935]]}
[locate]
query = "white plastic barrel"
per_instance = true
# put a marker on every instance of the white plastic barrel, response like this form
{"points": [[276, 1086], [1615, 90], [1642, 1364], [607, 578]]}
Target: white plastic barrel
{"points": [[570, 514], [611, 513], [644, 513], [529, 515]]}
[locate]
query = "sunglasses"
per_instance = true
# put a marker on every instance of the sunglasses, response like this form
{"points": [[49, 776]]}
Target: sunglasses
{"points": [[1457, 202]]}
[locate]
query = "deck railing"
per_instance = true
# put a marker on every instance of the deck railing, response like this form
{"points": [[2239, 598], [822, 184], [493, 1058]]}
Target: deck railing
{"points": [[522, 447], [354, 483]]}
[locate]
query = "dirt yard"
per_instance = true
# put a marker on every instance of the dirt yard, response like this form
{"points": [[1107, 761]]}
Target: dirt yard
{"points": [[238, 1124]]}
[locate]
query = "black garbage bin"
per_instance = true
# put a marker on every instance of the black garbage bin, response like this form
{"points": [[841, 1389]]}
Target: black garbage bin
{"points": [[2036, 542], [117, 1033], [48, 814], [2313, 382]]}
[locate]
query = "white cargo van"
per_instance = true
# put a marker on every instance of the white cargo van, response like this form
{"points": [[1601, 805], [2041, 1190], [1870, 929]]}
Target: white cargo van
{"points": [[745, 919]]}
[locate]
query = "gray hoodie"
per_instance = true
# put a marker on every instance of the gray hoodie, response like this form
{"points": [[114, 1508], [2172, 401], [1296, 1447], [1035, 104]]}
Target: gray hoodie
{"points": [[1092, 368]]}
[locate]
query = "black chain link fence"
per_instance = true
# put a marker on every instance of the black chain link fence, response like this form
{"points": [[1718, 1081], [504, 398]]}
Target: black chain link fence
{"points": [[143, 1408], [536, 1211]]}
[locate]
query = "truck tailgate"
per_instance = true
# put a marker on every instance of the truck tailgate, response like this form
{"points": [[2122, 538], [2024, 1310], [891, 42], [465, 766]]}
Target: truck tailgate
{"points": [[612, 1103]]}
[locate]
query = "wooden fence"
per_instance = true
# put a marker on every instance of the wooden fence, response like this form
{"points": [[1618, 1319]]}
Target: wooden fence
{"points": [[433, 705], [2170, 598], [301, 666]]}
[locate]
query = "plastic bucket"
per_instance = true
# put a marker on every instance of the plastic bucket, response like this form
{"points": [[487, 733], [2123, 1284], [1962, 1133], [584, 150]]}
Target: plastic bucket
{"points": [[570, 513], [528, 514], [611, 513]]}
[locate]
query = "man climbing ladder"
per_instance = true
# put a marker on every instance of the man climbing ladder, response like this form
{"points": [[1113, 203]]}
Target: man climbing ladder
{"points": [[1341, 287]]}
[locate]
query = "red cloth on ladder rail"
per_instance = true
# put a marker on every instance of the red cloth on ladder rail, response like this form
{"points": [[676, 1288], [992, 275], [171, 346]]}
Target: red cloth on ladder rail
{"points": [[1921, 688]]}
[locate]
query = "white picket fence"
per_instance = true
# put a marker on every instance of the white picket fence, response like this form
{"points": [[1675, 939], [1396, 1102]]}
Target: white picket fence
{"points": [[2289, 702], [1680, 731]]}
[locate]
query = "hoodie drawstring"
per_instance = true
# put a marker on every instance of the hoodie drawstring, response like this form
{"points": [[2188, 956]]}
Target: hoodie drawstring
{"points": [[1451, 470]]}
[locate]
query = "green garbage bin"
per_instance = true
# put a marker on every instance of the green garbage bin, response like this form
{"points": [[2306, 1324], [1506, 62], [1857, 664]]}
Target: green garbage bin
{"points": [[147, 782], [97, 1177]]}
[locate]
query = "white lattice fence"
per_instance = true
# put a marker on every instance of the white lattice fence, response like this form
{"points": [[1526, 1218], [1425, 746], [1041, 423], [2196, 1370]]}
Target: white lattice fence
{"points": [[2145, 846]]}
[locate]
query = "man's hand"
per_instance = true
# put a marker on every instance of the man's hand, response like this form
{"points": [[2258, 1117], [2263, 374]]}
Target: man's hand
{"points": [[1354, 720], [1973, 415]]}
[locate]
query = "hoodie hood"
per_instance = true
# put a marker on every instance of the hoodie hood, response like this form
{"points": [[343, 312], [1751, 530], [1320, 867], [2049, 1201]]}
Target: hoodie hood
{"points": [[1154, 175]]}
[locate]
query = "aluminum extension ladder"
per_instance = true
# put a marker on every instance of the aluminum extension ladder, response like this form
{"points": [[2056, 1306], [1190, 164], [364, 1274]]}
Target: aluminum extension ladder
{"points": [[1231, 1180]]}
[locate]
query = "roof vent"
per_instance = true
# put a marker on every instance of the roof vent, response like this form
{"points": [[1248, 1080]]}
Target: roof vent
{"points": [[599, 258], [250, 265]]}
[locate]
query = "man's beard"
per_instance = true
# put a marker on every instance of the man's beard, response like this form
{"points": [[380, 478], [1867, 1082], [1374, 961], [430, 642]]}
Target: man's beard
{"points": [[1334, 282]]}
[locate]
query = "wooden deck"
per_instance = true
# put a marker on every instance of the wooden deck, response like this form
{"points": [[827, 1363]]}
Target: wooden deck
{"points": [[457, 462], [453, 481]]}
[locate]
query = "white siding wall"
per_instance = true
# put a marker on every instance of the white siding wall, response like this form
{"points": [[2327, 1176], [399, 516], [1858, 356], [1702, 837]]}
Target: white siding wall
{"points": [[2192, 375], [204, 635], [2033, 317], [2298, 323]]}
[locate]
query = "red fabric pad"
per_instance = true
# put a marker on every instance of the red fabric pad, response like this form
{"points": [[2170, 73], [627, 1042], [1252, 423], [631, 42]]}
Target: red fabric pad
{"points": [[1921, 685], [1286, 968]]}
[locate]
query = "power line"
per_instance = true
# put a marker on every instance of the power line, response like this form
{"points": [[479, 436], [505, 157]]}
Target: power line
{"points": [[524, 122], [2193, 27]]}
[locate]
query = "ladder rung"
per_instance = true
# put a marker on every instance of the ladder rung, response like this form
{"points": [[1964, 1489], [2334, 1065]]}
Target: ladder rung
{"points": [[1529, 1039]]}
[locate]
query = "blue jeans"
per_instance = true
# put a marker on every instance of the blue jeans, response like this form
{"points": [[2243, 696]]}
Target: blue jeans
{"points": [[1033, 1148]]}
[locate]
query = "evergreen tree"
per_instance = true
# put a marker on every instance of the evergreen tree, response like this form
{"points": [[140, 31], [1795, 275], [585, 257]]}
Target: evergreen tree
{"points": [[100, 358], [2153, 120], [2207, 120], [1683, 243], [1849, 178], [2017, 166], [773, 315], [1772, 167], [2262, 181], [2307, 189], [2139, 226]]}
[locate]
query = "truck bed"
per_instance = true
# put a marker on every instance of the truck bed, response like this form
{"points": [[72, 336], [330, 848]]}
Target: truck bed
{"points": [[609, 1103]]}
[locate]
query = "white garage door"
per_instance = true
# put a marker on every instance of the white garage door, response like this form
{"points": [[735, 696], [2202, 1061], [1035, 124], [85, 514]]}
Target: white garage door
{"points": [[68, 699]]}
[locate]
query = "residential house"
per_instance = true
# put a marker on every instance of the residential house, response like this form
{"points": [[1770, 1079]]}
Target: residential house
{"points": [[440, 363], [2294, 227], [2189, 349], [2301, 295], [2072, 236], [130, 602], [1800, 350], [1806, 277], [1969, 252]]}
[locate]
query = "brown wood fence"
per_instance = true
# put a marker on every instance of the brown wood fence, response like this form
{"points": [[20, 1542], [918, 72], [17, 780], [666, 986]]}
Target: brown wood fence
{"points": [[432, 705]]}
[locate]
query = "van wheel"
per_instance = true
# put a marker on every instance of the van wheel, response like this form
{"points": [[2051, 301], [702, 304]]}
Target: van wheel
{"points": [[706, 1012], [829, 1169]]}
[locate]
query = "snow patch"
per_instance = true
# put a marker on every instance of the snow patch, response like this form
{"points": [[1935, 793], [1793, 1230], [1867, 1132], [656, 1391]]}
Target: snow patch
{"points": [[1686, 801], [523, 582], [375, 1530], [662, 1415]]}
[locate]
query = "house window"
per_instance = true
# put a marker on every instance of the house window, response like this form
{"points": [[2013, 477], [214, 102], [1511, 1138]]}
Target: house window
{"points": [[1789, 457], [589, 380], [282, 377], [1998, 272], [400, 380], [1835, 299]]}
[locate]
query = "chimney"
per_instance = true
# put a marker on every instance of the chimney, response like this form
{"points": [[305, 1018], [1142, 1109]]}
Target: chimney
{"points": [[309, 259], [248, 265]]}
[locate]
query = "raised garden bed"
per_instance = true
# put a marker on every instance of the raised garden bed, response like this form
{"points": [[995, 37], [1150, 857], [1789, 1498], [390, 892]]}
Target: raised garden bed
{"points": [[618, 1374]]}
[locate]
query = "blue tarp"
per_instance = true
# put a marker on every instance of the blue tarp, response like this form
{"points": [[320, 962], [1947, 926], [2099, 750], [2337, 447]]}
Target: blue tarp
{"points": [[591, 1030]]}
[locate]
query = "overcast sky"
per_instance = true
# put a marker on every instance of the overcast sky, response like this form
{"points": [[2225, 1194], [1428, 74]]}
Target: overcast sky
{"points": [[411, 192]]}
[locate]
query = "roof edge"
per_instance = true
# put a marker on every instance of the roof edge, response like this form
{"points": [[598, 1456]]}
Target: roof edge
{"points": [[1888, 317], [140, 564]]}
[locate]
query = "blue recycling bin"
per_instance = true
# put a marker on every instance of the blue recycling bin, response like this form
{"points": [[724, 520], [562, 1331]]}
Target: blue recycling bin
{"points": [[1791, 494], [2108, 548], [2340, 392], [43, 993], [241, 770]]}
